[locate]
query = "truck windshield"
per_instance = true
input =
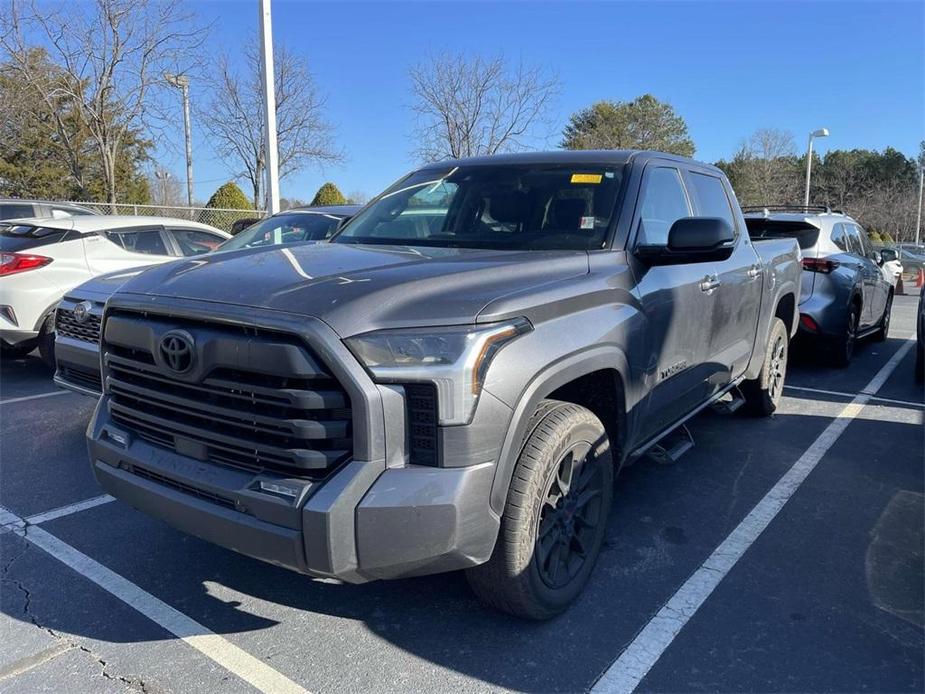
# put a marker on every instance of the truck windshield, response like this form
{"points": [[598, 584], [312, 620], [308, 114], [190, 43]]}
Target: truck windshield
{"points": [[517, 207]]}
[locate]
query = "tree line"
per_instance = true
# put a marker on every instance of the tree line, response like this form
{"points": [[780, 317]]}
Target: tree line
{"points": [[84, 97]]}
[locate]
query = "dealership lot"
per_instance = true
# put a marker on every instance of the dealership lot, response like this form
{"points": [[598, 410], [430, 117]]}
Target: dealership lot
{"points": [[828, 597]]}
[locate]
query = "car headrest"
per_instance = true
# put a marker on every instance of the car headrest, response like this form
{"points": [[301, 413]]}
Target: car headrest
{"points": [[566, 213], [509, 207]]}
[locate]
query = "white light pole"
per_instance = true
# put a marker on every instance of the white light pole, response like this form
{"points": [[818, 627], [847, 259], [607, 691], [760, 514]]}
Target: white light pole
{"points": [[182, 83], [271, 158], [918, 217], [821, 132], [164, 178]]}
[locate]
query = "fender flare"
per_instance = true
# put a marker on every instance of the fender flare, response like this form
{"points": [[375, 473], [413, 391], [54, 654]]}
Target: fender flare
{"points": [[549, 379]]}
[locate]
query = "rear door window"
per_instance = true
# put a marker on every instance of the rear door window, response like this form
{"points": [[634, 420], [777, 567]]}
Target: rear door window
{"points": [[144, 241], [712, 200], [195, 241], [664, 201], [855, 245], [839, 237]]}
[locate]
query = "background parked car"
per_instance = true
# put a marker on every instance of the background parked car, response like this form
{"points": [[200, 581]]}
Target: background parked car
{"points": [[80, 311], [11, 208], [44, 258], [891, 265], [844, 294]]}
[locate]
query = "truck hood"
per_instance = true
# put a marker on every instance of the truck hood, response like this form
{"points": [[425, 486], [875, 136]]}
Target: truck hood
{"points": [[356, 288], [105, 285]]}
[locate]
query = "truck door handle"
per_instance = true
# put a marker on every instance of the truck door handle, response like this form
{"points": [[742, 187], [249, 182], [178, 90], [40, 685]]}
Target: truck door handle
{"points": [[709, 283], [753, 272]]}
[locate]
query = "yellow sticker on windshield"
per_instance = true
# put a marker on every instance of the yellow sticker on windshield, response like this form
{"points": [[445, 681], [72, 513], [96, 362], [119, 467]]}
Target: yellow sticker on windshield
{"points": [[586, 178]]}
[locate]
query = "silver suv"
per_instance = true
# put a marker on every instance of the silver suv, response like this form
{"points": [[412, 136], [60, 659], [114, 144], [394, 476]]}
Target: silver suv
{"points": [[845, 295]]}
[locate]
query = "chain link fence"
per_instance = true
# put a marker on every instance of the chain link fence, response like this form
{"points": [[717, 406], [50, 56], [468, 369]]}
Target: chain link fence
{"points": [[225, 219]]}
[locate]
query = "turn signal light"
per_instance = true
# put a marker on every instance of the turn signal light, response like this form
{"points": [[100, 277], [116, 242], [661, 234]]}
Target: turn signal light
{"points": [[822, 265], [11, 263]]}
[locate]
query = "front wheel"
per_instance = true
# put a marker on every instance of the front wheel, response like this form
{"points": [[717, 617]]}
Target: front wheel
{"points": [[555, 516], [762, 395]]}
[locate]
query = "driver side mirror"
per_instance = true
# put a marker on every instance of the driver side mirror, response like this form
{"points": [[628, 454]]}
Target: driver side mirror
{"points": [[699, 235], [888, 255], [692, 240]]}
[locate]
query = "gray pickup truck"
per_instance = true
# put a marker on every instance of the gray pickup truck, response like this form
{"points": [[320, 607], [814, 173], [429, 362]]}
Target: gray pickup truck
{"points": [[453, 381]]}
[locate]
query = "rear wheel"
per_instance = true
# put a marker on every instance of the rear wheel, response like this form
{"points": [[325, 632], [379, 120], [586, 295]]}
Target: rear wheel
{"points": [[762, 395], [555, 516], [841, 349], [47, 341], [884, 328]]}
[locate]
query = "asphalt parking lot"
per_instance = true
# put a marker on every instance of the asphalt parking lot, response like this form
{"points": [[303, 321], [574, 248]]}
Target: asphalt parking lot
{"points": [[778, 555]]}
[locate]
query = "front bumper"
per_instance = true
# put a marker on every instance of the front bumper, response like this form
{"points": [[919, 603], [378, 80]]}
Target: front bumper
{"points": [[363, 522]]}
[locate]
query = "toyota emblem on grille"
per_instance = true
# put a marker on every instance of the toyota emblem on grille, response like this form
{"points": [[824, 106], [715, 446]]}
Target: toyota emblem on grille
{"points": [[82, 311], [176, 351]]}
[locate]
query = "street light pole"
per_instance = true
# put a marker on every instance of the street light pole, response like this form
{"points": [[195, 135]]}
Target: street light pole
{"points": [[918, 217], [821, 132], [271, 158], [182, 82]]}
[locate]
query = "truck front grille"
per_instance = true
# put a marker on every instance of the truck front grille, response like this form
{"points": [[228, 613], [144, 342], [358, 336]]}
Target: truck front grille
{"points": [[68, 326], [260, 413]]}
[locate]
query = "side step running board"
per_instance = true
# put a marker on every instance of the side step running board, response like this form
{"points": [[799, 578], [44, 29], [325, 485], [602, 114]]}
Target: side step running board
{"points": [[729, 406], [672, 447]]}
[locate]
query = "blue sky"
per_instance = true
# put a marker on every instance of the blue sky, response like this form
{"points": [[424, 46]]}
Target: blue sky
{"points": [[728, 68]]}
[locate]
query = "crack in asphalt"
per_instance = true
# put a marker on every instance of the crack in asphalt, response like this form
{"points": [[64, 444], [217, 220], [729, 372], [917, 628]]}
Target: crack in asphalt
{"points": [[133, 682]]}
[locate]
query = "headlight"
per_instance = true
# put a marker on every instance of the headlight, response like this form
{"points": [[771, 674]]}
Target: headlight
{"points": [[455, 359]]}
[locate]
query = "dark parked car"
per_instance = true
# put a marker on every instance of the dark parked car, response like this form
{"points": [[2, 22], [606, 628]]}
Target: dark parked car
{"points": [[449, 390], [13, 208], [845, 294], [920, 339], [78, 315]]}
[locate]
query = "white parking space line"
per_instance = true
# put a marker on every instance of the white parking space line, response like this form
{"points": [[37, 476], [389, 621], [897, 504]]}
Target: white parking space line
{"points": [[900, 403], [68, 510], [234, 659], [10, 401], [634, 663]]}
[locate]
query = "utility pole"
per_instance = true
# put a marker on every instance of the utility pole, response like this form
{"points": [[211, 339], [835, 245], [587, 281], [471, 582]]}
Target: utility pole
{"points": [[182, 83], [271, 158]]}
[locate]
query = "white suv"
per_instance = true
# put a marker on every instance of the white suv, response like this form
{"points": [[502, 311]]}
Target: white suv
{"points": [[44, 258]]}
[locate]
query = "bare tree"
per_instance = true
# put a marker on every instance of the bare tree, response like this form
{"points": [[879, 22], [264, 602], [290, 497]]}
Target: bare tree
{"points": [[765, 170], [234, 117], [357, 197], [112, 56], [474, 106]]}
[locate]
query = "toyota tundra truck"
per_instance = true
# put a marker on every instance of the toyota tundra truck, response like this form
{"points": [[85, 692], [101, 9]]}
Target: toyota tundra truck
{"points": [[455, 379]]}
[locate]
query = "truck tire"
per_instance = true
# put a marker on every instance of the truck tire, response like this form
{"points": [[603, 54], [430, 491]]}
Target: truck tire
{"points": [[762, 395], [884, 328], [555, 516], [47, 341], [841, 349]]}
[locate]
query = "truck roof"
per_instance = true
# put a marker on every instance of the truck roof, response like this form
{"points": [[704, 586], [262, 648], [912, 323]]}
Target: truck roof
{"points": [[578, 157]]}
